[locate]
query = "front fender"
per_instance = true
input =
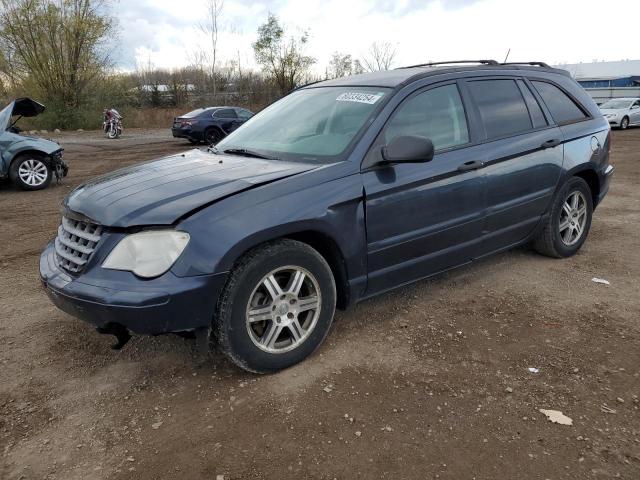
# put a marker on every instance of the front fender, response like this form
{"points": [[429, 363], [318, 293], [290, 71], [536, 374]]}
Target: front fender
{"points": [[222, 232], [22, 144]]}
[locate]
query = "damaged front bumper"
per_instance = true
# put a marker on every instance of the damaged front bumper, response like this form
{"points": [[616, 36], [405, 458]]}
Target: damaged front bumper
{"points": [[174, 304], [58, 165]]}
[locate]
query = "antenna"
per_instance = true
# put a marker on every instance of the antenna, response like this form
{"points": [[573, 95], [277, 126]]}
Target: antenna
{"points": [[507, 57]]}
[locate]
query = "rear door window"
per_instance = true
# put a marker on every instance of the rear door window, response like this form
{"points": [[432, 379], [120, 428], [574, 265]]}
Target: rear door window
{"points": [[225, 113], [562, 108], [436, 114], [502, 107]]}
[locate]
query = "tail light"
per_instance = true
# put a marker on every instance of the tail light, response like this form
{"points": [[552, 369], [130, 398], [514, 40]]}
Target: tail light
{"points": [[188, 123]]}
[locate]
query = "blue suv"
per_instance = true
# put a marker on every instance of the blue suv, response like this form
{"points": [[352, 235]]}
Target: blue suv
{"points": [[340, 191], [209, 125]]}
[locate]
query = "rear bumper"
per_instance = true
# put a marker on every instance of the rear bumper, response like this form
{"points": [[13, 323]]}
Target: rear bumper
{"points": [[188, 134], [179, 304]]}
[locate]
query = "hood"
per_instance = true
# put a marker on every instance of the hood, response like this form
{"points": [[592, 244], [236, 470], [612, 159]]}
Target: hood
{"points": [[24, 142], [25, 107], [162, 191]]}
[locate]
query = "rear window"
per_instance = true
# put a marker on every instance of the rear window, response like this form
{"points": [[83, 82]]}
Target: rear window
{"points": [[502, 108], [562, 108]]}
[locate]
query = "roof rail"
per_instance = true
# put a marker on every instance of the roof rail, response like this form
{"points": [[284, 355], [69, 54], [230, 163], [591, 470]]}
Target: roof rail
{"points": [[431, 64], [535, 64]]}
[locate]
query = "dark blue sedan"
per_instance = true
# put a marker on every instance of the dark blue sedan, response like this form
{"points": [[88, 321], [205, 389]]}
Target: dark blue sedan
{"points": [[209, 125]]}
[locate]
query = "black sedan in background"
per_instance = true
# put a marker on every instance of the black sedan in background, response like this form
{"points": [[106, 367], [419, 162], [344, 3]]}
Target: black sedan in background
{"points": [[209, 125]]}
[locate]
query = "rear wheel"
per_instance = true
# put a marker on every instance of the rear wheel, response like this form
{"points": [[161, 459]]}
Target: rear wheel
{"points": [[624, 124], [212, 136], [276, 308], [569, 221], [30, 172]]}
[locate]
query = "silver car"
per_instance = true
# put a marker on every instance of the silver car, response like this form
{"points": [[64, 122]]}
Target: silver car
{"points": [[622, 112]]}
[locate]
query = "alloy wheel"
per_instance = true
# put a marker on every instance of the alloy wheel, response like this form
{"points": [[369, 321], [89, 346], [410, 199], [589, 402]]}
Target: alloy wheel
{"points": [[33, 172], [283, 309], [573, 218]]}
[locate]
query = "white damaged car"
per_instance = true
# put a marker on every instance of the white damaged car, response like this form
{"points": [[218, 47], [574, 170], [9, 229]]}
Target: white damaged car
{"points": [[622, 112]]}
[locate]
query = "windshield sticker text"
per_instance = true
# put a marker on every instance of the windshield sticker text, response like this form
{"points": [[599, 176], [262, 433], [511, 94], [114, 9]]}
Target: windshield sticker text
{"points": [[369, 98]]}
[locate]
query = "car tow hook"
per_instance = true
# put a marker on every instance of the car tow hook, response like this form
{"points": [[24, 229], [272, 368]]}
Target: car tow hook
{"points": [[119, 331]]}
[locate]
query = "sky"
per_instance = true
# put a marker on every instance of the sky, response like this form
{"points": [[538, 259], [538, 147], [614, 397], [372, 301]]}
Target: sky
{"points": [[165, 33]]}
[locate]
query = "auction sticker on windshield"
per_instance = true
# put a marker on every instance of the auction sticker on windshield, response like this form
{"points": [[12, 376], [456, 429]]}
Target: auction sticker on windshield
{"points": [[369, 98]]}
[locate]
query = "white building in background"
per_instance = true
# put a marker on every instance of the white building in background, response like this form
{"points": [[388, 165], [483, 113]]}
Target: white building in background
{"points": [[606, 80]]}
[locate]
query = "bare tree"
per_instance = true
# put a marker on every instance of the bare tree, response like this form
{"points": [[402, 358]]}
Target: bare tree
{"points": [[282, 56], [211, 28], [380, 57]]}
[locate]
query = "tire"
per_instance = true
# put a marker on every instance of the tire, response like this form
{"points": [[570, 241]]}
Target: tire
{"points": [[280, 334], [212, 136], [624, 124], [30, 172], [560, 237], [113, 133]]}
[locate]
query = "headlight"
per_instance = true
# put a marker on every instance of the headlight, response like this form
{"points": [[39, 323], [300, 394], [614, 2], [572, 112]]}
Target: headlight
{"points": [[147, 254]]}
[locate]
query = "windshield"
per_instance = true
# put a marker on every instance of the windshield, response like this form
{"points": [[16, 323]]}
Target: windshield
{"points": [[615, 104], [5, 117], [310, 125]]}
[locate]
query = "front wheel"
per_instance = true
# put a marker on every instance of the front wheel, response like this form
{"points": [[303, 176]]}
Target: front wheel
{"points": [[30, 172], [569, 221], [113, 132], [276, 308]]}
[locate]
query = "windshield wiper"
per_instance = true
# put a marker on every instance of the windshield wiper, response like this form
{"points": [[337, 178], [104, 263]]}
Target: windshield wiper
{"points": [[248, 153]]}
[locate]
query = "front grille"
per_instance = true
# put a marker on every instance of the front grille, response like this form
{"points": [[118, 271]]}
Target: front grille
{"points": [[75, 243]]}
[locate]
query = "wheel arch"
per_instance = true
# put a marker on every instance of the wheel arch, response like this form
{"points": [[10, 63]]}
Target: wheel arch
{"points": [[213, 127], [324, 244], [590, 176], [39, 153]]}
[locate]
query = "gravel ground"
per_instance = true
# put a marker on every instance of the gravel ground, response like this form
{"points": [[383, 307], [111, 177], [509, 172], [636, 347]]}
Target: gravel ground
{"points": [[430, 381]]}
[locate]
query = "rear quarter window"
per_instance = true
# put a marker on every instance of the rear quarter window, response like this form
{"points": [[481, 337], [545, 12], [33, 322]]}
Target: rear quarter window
{"points": [[562, 108]]}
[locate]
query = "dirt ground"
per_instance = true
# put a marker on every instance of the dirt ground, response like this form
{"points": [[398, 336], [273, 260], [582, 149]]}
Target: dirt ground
{"points": [[430, 381]]}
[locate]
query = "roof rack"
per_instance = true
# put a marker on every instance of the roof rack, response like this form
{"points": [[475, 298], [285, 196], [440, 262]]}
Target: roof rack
{"points": [[535, 64], [431, 64]]}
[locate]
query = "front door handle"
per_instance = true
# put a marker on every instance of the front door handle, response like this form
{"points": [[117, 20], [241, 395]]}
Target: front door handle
{"points": [[475, 165], [551, 143]]}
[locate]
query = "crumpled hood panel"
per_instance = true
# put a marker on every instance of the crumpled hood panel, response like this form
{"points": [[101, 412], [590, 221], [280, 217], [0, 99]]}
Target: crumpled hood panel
{"points": [[162, 191]]}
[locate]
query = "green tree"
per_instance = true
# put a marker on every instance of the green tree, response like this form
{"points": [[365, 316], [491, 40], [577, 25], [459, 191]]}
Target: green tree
{"points": [[60, 47], [342, 65], [282, 56]]}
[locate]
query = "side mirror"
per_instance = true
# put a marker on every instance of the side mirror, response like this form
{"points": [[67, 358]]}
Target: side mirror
{"points": [[408, 149]]}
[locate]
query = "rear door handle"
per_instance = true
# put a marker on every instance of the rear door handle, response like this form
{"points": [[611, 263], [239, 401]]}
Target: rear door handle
{"points": [[475, 165], [551, 143]]}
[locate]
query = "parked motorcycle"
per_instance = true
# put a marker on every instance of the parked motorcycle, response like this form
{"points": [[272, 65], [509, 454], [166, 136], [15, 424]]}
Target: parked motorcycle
{"points": [[112, 124]]}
